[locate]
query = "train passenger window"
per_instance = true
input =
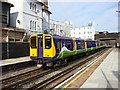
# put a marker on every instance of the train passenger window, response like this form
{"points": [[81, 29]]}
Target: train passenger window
{"points": [[47, 42], [68, 45], [81, 45], [94, 44], [33, 42], [89, 44]]}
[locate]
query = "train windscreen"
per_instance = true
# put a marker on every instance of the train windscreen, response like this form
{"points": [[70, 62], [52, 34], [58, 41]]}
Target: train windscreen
{"points": [[47, 42], [33, 42]]}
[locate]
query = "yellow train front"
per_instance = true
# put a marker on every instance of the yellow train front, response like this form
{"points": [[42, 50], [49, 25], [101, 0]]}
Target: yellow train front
{"points": [[42, 48]]}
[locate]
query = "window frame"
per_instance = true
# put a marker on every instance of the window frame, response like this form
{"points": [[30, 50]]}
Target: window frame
{"points": [[81, 44], [35, 44], [48, 43], [70, 43]]}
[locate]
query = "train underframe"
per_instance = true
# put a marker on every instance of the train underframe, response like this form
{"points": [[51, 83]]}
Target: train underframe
{"points": [[64, 61]]}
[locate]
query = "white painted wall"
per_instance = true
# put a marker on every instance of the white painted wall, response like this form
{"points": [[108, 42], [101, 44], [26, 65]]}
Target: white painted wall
{"points": [[85, 32], [22, 12], [60, 28]]}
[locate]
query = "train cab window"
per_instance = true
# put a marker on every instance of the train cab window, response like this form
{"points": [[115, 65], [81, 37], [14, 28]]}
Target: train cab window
{"points": [[68, 45], [47, 42], [33, 42]]}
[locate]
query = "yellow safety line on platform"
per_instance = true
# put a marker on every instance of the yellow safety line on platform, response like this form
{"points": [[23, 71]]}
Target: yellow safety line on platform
{"points": [[78, 76]]}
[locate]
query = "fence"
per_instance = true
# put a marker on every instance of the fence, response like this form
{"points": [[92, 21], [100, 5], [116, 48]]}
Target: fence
{"points": [[14, 50]]}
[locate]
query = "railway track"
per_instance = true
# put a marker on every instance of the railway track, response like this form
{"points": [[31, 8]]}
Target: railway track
{"points": [[25, 78], [21, 78], [62, 76]]}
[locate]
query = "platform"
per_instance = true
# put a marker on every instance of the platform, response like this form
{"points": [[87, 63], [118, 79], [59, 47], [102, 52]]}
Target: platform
{"points": [[14, 61], [106, 75]]}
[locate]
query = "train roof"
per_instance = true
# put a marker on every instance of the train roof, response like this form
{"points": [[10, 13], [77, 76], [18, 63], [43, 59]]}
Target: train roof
{"points": [[61, 37]]}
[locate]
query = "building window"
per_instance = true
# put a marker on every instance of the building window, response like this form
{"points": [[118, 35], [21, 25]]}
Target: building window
{"points": [[35, 7], [32, 6], [17, 40], [11, 40], [33, 25], [30, 24]]}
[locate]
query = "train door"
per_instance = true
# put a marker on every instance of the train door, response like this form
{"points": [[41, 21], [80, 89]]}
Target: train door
{"points": [[58, 47], [33, 46], [40, 46], [74, 45]]}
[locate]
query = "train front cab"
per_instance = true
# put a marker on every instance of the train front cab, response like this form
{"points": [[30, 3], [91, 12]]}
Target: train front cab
{"points": [[42, 47]]}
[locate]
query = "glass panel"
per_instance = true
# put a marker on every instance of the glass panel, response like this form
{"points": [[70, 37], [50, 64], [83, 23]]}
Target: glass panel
{"points": [[81, 45], [68, 45], [33, 42], [47, 42]]}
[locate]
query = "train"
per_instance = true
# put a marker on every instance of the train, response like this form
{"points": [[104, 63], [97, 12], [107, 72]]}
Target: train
{"points": [[49, 50]]}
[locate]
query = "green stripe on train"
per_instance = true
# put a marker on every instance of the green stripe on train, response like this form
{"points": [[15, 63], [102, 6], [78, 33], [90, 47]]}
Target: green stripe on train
{"points": [[65, 54]]}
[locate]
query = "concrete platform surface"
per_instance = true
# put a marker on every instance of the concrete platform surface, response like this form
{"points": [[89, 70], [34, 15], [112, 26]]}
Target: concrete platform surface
{"points": [[14, 61], [106, 75]]}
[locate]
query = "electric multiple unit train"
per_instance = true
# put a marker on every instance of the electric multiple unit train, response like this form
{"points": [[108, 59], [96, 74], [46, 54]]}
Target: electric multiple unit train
{"points": [[48, 50]]}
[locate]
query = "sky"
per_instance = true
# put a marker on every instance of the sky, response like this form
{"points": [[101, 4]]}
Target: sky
{"points": [[103, 14]]}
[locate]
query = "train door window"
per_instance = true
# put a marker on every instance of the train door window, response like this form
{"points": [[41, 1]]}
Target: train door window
{"points": [[47, 42], [41, 41], [68, 45], [33, 42], [78, 44], [59, 45], [97, 43]]}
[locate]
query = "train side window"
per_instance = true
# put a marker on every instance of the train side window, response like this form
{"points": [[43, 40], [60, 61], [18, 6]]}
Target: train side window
{"points": [[89, 44], [68, 45], [33, 42], [81, 45], [47, 42]]}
